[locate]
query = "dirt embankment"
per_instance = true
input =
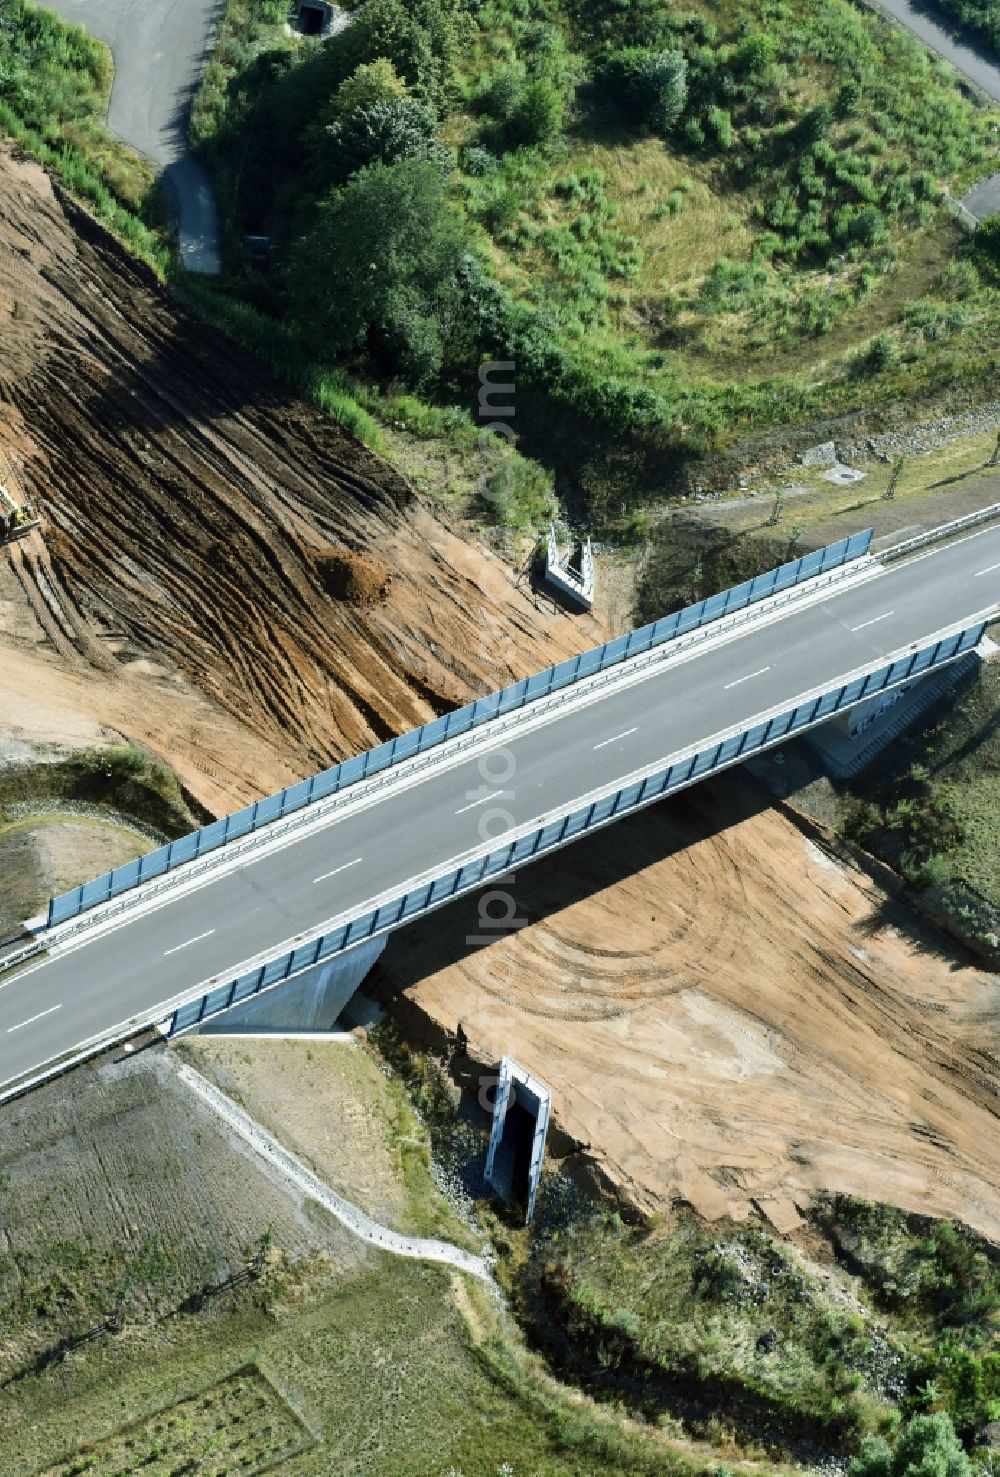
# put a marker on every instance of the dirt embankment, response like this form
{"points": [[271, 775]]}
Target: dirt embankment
{"points": [[724, 1015], [223, 574]]}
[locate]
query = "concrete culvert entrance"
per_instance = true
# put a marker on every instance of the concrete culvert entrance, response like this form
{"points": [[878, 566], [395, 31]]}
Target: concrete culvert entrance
{"points": [[517, 1139], [512, 1162], [313, 18]]}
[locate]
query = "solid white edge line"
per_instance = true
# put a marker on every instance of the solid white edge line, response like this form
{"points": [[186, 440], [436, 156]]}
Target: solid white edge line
{"points": [[32, 1018], [188, 942], [759, 673], [343, 868], [617, 736], [31, 1077]]}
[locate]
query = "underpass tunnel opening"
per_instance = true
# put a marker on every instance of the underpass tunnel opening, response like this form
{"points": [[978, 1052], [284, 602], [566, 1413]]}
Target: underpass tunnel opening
{"points": [[313, 17], [513, 1157], [517, 1140]]}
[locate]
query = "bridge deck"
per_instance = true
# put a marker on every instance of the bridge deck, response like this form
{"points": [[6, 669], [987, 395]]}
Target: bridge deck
{"points": [[267, 900]]}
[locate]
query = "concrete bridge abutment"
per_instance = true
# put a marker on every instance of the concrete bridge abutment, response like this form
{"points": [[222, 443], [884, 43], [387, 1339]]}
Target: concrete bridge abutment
{"points": [[311, 1001]]}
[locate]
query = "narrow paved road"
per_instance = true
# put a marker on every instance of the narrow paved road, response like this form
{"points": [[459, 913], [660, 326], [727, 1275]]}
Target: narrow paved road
{"points": [[933, 28], [271, 899], [159, 50], [984, 199]]}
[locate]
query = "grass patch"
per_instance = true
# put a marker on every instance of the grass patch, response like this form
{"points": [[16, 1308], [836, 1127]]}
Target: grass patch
{"points": [[929, 806], [396, 1366], [690, 1322], [55, 81], [428, 1213], [778, 209], [939, 1286], [123, 780]]}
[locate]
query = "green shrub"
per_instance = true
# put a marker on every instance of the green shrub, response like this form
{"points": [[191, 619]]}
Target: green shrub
{"points": [[848, 98], [382, 133], [479, 162], [928, 1447], [538, 116], [379, 270], [881, 355], [987, 242], [372, 82], [720, 125], [501, 92], [982, 16], [517, 493], [651, 86]]}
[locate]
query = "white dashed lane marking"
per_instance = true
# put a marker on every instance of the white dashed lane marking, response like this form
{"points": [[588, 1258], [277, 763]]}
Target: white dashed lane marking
{"points": [[873, 622], [188, 942], [759, 673], [342, 868], [32, 1018], [494, 795], [617, 737]]}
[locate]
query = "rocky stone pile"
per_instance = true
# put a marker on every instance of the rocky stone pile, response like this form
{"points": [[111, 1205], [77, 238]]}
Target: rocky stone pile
{"points": [[928, 437]]}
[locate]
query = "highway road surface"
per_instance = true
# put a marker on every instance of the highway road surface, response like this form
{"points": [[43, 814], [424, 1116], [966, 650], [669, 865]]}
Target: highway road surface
{"points": [[159, 51], [266, 900]]}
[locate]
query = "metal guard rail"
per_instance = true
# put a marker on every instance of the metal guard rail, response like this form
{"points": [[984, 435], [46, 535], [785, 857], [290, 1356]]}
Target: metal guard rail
{"points": [[518, 695], [931, 537], [683, 771]]}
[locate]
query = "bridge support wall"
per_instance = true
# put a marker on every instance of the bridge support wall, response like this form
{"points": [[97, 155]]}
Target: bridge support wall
{"points": [[846, 744], [312, 1001]]}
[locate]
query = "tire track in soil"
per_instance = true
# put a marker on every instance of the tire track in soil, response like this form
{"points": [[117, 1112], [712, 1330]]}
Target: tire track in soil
{"points": [[188, 501]]}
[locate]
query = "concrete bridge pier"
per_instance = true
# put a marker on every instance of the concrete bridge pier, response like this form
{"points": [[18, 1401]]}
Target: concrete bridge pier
{"points": [[854, 737], [311, 1001]]}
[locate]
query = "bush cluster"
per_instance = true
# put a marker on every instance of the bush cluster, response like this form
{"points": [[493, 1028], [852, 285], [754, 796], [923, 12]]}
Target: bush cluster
{"points": [[489, 95], [980, 16]]}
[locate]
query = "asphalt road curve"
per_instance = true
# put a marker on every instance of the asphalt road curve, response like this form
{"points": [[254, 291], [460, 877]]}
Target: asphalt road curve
{"points": [[984, 199], [159, 51], [933, 27], [264, 902]]}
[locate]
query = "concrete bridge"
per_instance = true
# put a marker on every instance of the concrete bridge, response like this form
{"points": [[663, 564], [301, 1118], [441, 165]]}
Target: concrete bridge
{"points": [[299, 883]]}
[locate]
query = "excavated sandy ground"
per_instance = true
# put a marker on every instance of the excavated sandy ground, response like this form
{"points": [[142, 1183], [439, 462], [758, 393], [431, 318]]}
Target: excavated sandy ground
{"points": [[183, 590], [723, 1014], [738, 1022]]}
